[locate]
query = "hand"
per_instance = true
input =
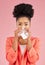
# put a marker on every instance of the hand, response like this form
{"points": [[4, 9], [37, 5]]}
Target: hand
{"points": [[15, 43], [29, 45]]}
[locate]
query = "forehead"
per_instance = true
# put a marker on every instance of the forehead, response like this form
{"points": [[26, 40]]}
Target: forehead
{"points": [[23, 19]]}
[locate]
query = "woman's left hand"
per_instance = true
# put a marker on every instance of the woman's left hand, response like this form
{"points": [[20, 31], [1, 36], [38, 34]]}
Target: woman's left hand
{"points": [[29, 45]]}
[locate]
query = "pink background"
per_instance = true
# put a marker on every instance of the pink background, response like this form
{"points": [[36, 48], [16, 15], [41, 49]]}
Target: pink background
{"points": [[7, 25]]}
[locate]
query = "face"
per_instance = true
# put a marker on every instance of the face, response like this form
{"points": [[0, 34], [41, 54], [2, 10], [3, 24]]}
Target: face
{"points": [[23, 22]]}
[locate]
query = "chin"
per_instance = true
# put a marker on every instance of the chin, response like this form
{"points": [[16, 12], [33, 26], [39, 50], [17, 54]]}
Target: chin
{"points": [[22, 41]]}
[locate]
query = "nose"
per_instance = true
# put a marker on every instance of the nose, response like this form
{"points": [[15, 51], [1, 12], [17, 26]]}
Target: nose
{"points": [[23, 27]]}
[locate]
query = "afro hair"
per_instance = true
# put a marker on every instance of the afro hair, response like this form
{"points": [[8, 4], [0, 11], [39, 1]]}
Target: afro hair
{"points": [[23, 10]]}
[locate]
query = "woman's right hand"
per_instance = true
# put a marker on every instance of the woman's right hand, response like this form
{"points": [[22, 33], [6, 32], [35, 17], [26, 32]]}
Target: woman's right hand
{"points": [[15, 43]]}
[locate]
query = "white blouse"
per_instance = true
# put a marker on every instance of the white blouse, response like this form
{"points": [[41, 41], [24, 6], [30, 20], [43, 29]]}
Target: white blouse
{"points": [[22, 47]]}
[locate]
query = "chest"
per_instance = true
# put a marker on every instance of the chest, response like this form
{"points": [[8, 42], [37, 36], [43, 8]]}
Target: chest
{"points": [[22, 48]]}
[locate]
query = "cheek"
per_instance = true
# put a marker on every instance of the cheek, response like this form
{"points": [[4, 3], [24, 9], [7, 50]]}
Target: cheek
{"points": [[27, 28], [19, 27]]}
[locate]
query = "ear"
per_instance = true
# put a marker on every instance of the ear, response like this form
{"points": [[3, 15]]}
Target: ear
{"points": [[16, 23], [30, 23]]}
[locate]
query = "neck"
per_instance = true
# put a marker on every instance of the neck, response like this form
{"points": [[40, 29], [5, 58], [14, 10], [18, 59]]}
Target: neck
{"points": [[22, 43]]}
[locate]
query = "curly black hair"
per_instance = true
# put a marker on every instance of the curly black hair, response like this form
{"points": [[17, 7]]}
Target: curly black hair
{"points": [[23, 9]]}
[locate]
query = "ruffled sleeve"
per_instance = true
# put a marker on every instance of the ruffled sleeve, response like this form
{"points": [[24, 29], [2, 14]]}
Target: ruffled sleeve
{"points": [[33, 53], [11, 55]]}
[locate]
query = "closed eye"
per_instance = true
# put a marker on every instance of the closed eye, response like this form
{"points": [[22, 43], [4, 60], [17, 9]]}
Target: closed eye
{"points": [[26, 24], [20, 24]]}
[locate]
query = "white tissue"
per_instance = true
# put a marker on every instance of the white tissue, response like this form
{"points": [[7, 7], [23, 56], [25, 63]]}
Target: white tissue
{"points": [[23, 34]]}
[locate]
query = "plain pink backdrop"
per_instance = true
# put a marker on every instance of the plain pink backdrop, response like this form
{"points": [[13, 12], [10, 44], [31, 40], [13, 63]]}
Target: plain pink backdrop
{"points": [[7, 25]]}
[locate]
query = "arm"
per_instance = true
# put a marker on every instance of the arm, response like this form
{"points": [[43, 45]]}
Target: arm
{"points": [[11, 55], [33, 53]]}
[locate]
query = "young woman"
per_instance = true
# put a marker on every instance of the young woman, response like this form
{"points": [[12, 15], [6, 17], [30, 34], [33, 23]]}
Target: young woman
{"points": [[20, 51]]}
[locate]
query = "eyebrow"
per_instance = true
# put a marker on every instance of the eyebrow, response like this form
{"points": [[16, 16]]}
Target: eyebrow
{"points": [[24, 22]]}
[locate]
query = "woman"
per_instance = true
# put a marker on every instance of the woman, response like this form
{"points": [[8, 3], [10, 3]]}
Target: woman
{"points": [[21, 51]]}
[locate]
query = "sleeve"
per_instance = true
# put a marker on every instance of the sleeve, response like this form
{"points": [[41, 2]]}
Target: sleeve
{"points": [[33, 53], [11, 55]]}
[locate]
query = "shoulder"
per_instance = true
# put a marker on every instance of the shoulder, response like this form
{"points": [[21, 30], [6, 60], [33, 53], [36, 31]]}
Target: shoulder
{"points": [[35, 40], [9, 39]]}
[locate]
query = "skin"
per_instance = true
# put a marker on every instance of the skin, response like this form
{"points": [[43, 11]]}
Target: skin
{"points": [[20, 23], [23, 22]]}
